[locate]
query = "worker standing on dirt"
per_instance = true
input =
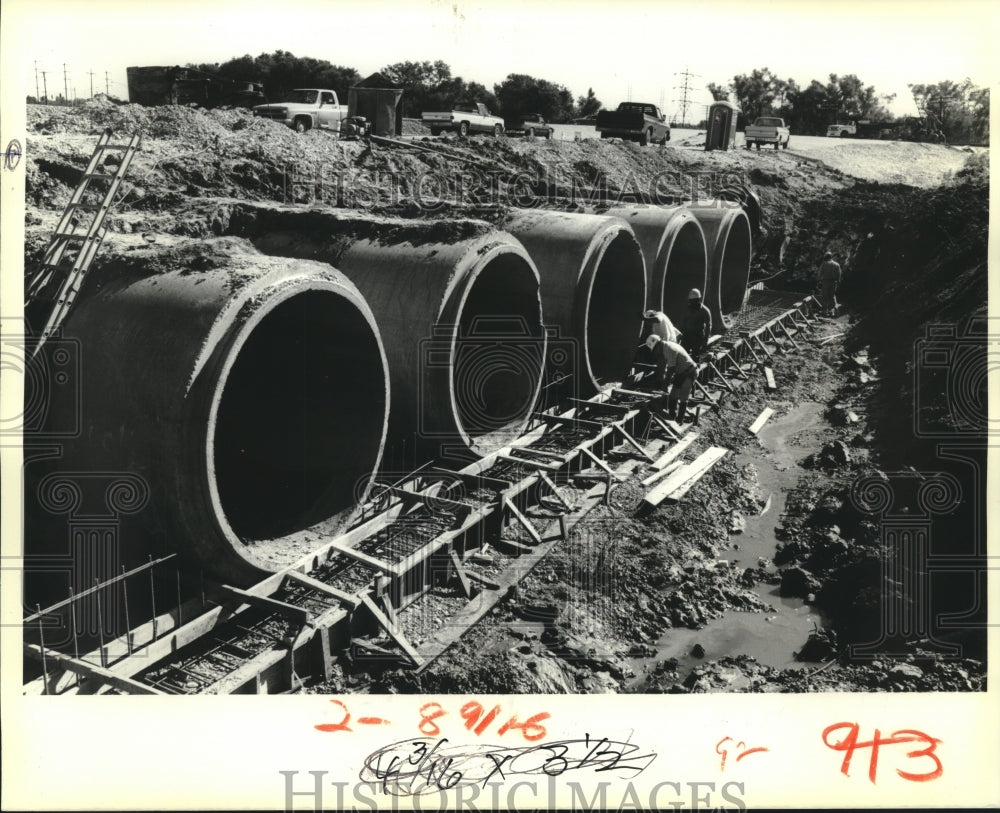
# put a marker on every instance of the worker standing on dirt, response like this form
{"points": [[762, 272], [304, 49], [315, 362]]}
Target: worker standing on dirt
{"points": [[671, 358], [829, 282], [697, 325]]}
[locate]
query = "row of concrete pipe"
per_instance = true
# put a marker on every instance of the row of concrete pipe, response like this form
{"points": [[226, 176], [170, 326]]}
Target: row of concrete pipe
{"points": [[256, 402]]}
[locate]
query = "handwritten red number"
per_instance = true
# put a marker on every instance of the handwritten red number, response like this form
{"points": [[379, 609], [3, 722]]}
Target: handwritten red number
{"points": [[471, 713], [342, 725], [530, 725], [427, 718], [849, 744]]}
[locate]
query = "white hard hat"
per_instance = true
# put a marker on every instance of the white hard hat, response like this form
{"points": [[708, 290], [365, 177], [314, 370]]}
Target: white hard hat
{"points": [[694, 293], [652, 340], [650, 314]]}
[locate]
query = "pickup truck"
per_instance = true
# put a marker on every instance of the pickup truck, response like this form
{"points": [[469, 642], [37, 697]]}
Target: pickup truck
{"points": [[466, 118], [306, 108], [528, 125], [635, 121], [841, 130], [767, 130]]}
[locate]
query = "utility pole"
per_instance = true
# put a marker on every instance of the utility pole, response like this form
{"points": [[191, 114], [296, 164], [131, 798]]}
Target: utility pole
{"points": [[65, 84], [107, 84], [685, 91], [38, 96], [45, 85], [91, 72]]}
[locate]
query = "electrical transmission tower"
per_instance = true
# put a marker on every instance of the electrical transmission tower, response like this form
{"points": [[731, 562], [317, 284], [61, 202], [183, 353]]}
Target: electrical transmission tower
{"points": [[685, 90]]}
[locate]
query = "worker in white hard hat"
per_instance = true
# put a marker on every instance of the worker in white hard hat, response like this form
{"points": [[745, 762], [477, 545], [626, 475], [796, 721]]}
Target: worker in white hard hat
{"points": [[658, 323], [696, 326], [671, 358]]}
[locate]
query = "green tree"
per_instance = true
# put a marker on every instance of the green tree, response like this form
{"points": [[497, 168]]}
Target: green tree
{"points": [[587, 105], [520, 94], [719, 92], [956, 111], [282, 71]]}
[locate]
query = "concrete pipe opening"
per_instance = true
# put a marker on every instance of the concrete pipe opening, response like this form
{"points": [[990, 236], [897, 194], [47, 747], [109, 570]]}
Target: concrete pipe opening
{"points": [[616, 296], [249, 394], [730, 248], [300, 417], [673, 247], [499, 349], [593, 286]]}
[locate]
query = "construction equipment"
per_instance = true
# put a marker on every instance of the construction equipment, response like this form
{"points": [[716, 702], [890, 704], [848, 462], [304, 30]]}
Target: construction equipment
{"points": [[52, 290]]}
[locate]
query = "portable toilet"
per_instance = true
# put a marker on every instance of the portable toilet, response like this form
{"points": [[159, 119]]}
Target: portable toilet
{"points": [[380, 101], [721, 133]]}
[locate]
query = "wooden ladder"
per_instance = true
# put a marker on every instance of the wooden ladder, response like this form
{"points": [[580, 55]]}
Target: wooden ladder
{"points": [[50, 293]]}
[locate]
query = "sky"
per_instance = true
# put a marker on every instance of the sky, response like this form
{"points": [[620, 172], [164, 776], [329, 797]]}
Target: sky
{"points": [[618, 49]]}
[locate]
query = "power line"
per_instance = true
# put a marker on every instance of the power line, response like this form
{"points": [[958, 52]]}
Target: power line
{"points": [[107, 84], [91, 72], [38, 96], [65, 84], [45, 86], [685, 91]]}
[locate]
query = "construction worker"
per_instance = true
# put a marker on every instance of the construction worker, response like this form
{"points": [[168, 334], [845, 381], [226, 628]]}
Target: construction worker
{"points": [[671, 358], [658, 323], [697, 325], [829, 282]]}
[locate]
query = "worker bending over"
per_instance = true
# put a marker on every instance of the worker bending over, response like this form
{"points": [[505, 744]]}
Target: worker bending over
{"points": [[659, 324], [697, 325], [671, 358]]}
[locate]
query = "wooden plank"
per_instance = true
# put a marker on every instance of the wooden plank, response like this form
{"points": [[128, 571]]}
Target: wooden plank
{"points": [[674, 451], [680, 491], [463, 579], [265, 602], [570, 421], [90, 670], [322, 587], [601, 405], [530, 450], [758, 424], [396, 635], [635, 444], [531, 464], [555, 491], [678, 478], [364, 558], [659, 475], [600, 464], [769, 376], [523, 521], [671, 432]]}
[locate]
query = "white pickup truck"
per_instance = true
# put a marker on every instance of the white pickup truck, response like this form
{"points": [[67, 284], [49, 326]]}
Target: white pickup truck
{"points": [[305, 109], [473, 117], [767, 130]]}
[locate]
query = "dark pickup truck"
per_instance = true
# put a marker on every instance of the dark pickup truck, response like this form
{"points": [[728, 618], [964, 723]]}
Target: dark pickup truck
{"points": [[635, 121], [529, 126]]}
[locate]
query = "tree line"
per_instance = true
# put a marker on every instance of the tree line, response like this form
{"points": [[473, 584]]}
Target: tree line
{"points": [[428, 85], [951, 111]]}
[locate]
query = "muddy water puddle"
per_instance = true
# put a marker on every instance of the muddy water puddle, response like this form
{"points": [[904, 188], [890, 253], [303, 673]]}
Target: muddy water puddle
{"points": [[771, 637]]}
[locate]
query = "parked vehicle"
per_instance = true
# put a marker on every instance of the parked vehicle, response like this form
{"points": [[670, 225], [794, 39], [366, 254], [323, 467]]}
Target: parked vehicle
{"points": [[635, 121], [305, 109], [841, 130], [767, 130], [529, 126], [466, 118]]}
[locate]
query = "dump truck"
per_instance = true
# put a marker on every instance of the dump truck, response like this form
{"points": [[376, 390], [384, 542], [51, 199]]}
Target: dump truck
{"points": [[767, 130], [305, 109], [466, 118], [634, 121]]}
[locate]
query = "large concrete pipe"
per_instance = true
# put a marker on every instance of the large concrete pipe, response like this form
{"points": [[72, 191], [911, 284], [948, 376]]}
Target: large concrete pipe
{"points": [[673, 246], [248, 394], [593, 287], [727, 236], [462, 325]]}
